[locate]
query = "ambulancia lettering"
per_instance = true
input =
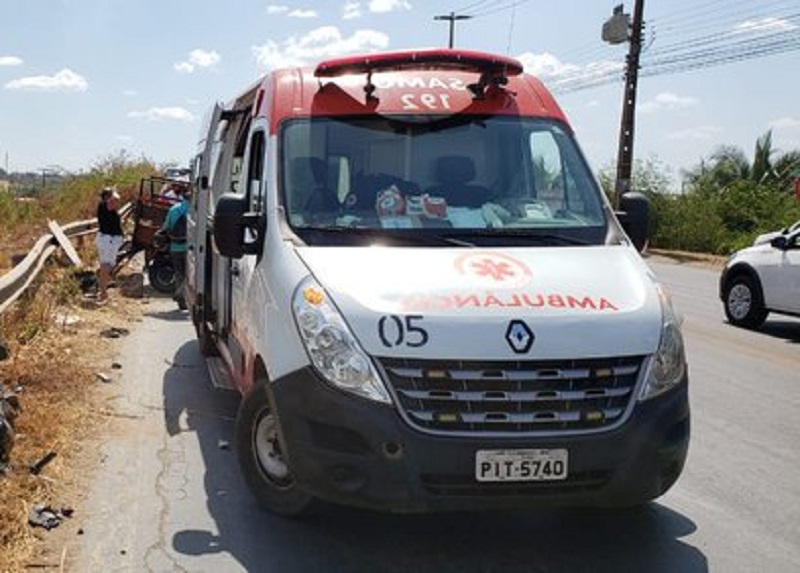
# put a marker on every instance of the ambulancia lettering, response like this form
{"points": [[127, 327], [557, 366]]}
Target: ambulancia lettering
{"points": [[416, 303]]}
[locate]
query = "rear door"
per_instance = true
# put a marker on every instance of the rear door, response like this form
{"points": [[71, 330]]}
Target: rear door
{"points": [[247, 304], [197, 219]]}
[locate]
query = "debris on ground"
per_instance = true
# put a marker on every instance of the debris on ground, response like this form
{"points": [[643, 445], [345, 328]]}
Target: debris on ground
{"points": [[9, 409], [114, 332], [64, 320], [105, 378], [37, 467], [133, 286], [42, 515], [87, 280]]}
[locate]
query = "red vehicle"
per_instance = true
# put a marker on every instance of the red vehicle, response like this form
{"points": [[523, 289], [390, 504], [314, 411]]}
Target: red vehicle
{"points": [[156, 196]]}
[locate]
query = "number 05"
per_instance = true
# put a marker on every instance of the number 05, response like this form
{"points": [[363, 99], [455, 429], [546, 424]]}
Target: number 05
{"points": [[395, 330]]}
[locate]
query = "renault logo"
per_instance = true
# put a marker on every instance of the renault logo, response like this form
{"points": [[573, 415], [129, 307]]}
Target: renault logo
{"points": [[519, 336]]}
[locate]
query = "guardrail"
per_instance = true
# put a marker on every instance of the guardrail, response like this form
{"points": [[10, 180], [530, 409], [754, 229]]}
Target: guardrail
{"points": [[14, 283]]}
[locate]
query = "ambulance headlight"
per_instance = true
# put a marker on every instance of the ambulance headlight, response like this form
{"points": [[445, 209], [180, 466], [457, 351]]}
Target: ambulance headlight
{"points": [[667, 366], [331, 346]]}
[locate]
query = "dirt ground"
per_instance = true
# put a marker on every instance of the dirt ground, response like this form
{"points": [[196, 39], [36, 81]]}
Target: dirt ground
{"points": [[688, 258], [65, 412]]}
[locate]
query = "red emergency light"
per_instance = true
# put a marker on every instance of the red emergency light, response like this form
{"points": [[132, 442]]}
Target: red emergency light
{"points": [[493, 69], [425, 59]]}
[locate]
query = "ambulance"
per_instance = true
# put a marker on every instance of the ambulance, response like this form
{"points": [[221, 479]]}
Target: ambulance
{"points": [[404, 263]]}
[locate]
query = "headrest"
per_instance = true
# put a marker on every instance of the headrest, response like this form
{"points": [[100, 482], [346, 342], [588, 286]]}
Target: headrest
{"points": [[455, 169]]}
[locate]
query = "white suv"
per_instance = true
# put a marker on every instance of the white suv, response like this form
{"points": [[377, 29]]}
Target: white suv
{"points": [[761, 279]]}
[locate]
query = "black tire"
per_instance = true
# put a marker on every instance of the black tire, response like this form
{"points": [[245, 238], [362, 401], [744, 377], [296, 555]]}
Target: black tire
{"points": [[162, 275], [744, 305], [263, 466]]}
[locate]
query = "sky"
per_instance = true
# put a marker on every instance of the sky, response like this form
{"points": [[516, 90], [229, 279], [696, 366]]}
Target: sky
{"points": [[84, 80]]}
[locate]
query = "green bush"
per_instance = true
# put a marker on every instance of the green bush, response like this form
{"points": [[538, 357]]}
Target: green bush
{"points": [[71, 198], [715, 215]]}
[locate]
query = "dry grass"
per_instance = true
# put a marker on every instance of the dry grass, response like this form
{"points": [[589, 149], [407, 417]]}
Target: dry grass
{"points": [[56, 352]]}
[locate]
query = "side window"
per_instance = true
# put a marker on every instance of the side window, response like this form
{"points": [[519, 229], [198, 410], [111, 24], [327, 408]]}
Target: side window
{"points": [[255, 172], [562, 180], [548, 175], [238, 156]]}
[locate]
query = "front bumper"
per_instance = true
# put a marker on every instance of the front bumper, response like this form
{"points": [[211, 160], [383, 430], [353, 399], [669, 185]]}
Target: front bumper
{"points": [[352, 451]]}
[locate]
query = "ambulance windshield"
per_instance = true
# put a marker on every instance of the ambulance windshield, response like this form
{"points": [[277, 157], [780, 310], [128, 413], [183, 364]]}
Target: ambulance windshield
{"points": [[489, 177]]}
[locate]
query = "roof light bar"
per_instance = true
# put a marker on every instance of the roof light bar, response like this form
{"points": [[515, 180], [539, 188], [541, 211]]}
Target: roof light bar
{"points": [[427, 59]]}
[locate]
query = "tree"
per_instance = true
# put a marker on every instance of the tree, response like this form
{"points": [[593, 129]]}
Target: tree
{"points": [[729, 165]]}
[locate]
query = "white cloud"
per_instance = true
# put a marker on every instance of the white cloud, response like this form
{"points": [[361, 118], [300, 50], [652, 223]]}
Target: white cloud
{"points": [[64, 81], [183, 67], [785, 123], [276, 9], [768, 24], [303, 14], [694, 133], [382, 6], [558, 74], [351, 10], [163, 113], [324, 42], [198, 59], [130, 93], [545, 65], [10, 61], [666, 100], [124, 138]]}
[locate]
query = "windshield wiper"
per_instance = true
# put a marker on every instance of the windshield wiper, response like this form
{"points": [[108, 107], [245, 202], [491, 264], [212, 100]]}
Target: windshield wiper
{"points": [[410, 236], [534, 236]]}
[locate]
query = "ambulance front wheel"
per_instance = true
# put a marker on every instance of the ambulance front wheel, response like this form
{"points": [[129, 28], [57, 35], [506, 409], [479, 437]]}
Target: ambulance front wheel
{"points": [[261, 458]]}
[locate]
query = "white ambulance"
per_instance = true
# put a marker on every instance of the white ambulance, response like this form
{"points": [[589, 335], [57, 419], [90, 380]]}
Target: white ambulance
{"points": [[405, 265]]}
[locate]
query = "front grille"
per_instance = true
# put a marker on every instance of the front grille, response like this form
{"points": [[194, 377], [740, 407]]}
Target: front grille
{"points": [[513, 397]]}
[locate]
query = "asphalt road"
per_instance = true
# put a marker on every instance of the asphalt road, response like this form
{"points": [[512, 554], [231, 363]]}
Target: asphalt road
{"points": [[168, 495]]}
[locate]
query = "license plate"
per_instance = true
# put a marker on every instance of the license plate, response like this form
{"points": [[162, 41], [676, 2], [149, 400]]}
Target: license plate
{"points": [[521, 465]]}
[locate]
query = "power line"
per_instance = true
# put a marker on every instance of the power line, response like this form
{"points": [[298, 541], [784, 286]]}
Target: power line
{"points": [[693, 33], [501, 7], [682, 55]]}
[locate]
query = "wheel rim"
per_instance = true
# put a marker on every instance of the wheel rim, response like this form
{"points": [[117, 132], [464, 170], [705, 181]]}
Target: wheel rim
{"points": [[163, 277], [268, 451], [740, 301]]}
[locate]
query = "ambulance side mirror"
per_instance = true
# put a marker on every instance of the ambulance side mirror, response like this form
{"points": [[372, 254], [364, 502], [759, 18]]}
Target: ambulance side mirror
{"points": [[634, 216], [236, 231]]}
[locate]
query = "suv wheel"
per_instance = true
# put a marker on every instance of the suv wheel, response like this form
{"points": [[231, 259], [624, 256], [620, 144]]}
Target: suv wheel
{"points": [[743, 304]]}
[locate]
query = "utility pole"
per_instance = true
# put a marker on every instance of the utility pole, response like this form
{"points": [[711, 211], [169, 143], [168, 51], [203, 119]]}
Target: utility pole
{"points": [[452, 17], [627, 124]]}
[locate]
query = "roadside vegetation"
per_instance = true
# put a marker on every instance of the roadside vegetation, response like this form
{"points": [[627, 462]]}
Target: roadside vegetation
{"points": [[27, 205], [726, 201], [54, 353]]}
